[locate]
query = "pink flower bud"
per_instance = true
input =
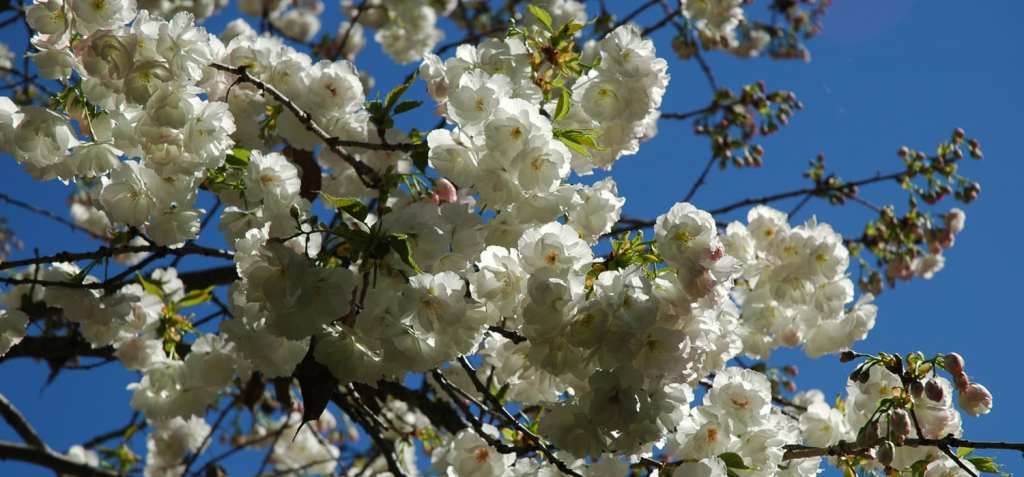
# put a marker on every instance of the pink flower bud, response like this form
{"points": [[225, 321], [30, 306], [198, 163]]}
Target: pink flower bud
{"points": [[445, 191], [916, 389], [934, 390], [899, 424], [961, 380], [975, 400], [954, 363]]}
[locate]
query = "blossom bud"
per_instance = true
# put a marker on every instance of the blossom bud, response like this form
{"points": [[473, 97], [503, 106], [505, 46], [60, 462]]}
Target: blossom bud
{"points": [[791, 370], [975, 400], [899, 425], [954, 363], [885, 453], [961, 380], [916, 389], [847, 356], [955, 219], [868, 435], [445, 191], [933, 390]]}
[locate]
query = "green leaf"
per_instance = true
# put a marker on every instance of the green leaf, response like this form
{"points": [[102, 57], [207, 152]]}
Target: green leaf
{"points": [[984, 464], [350, 205], [407, 106], [238, 158], [399, 242], [564, 102], [542, 15], [733, 460], [195, 297], [150, 287], [420, 158], [395, 94], [964, 451]]}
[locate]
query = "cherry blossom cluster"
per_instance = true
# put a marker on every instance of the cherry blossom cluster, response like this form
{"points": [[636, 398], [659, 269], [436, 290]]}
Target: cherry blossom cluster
{"points": [[794, 287], [494, 257]]}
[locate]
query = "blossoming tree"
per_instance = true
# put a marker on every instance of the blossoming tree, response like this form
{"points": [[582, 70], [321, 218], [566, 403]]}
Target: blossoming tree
{"points": [[459, 299]]}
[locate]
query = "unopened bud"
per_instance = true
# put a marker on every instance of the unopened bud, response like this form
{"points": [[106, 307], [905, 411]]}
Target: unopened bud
{"points": [[954, 363], [955, 220], [899, 425], [445, 191], [790, 386], [903, 151], [847, 356], [916, 389], [934, 390], [975, 400], [962, 381], [868, 435], [958, 133], [885, 453], [791, 370]]}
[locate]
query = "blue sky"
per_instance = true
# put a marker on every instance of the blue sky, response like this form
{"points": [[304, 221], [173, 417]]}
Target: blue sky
{"points": [[884, 73]]}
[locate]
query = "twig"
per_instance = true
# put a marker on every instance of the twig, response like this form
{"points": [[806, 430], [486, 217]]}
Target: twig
{"points": [[107, 252], [52, 460], [660, 23], [45, 213], [541, 446], [367, 174], [701, 180], [642, 224], [17, 420]]}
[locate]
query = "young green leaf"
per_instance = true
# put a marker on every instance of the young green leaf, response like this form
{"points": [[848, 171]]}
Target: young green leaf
{"points": [[395, 94], [564, 102], [399, 242], [733, 460], [195, 297], [542, 15], [351, 206], [407, 106]]}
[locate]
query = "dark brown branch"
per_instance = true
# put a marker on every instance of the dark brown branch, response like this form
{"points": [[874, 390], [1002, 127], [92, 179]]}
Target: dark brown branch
{"points": [[701, 180], [631, 15], [17, 420], [637, 224], [49, 459], [351, 405], [489, 397], [367, 174], [208, 277], [660, 23], [795, 451], [108, 252], [45, 213]]}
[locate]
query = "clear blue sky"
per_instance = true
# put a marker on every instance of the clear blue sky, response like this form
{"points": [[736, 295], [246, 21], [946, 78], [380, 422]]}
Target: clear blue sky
{"points": [[884, 73]]}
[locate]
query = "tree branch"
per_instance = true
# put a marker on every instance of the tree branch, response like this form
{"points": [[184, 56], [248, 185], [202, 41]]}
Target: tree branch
{"points": [[367, 174], [108, 252], [795, 451], [541, 446], [49, 459], [636, 224], [17, 420]]}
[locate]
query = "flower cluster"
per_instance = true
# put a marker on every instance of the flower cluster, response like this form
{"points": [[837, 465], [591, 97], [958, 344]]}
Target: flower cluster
{"points": [[406, 29], [492, 256], [794, 286]]}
